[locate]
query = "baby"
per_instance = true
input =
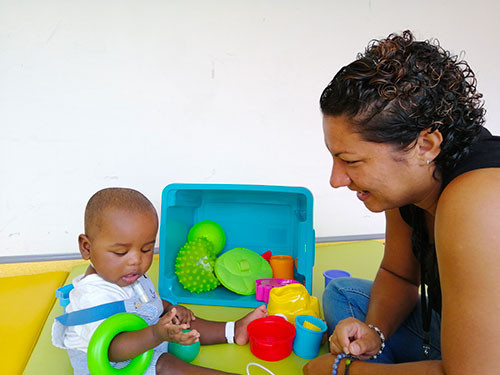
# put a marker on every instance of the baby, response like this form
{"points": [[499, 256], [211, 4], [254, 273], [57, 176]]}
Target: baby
{"points": [[120, 234]]}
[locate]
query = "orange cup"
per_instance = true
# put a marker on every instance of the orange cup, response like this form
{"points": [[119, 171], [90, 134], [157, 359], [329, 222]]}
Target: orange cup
{"points": [[282, 266]]}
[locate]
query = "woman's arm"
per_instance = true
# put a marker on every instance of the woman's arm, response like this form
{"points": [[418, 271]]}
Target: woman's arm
{"points": [[323, 366], [393, 296], [395, 290], [467, 234]]}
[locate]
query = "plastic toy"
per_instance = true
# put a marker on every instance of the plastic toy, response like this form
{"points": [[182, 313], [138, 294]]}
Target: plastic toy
{"points": [[237, 270], [62, 294], [258, 217], [271, 338], [259, 366], [267, 255], [282, 266], [264, 286], [194, 266], [292, 300], [97, 353], [211, 231], [333, 274], [307, 341], [307, 324], [185, 352]]}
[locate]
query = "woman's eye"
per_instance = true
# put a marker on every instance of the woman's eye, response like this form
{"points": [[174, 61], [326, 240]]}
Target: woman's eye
{"points": [[350, 162], [120, 254], [146, 250]]}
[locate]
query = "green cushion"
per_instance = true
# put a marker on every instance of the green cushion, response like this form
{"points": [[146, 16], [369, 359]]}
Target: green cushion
{"points": [[361, 259]]}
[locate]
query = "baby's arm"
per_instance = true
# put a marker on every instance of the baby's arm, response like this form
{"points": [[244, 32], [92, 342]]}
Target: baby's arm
{"points": [[128, 345], [183, 315]]}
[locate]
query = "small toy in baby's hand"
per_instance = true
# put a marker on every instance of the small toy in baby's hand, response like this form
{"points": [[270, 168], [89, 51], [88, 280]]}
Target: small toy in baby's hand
{"points": [[185, 352]]}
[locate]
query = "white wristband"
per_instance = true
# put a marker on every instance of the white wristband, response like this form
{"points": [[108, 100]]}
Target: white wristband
{"points": [[230, 332]]}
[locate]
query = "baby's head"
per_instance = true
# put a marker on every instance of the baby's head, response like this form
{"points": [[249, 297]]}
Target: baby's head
{"points": [[120, 234]]}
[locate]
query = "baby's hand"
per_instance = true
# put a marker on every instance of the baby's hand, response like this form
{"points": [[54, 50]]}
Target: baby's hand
{"points": [[167, 330], [183, 314]]}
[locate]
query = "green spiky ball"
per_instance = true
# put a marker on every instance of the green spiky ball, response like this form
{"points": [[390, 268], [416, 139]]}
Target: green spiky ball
{"points": [[194, 266]]}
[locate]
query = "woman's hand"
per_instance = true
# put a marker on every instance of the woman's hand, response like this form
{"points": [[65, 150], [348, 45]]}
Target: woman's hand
{"points": [[352, 336], [167, 330]]}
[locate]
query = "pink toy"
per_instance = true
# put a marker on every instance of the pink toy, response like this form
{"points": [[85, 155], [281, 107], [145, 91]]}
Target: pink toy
{"points": [[264, 286]]}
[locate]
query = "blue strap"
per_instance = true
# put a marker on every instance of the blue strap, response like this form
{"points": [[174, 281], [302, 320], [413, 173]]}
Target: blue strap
{"points": [[92, 314]]}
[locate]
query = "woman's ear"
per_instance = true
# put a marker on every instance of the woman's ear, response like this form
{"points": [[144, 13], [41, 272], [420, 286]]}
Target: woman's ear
{"points": [[84, 245], [429, 145]]}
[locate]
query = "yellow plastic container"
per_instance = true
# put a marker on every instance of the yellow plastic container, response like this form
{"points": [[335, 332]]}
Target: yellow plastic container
{"points": [[292, 300]]}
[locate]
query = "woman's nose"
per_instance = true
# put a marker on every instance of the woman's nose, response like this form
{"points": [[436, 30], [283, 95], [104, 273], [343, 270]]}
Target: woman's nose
{"points": [[339, 176]]}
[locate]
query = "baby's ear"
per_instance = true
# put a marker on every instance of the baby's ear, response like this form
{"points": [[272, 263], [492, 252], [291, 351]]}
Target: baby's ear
{"points": [[84, 245]]}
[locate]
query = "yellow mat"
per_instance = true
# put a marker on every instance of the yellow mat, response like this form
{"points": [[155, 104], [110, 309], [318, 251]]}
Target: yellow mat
{"points": [[361, 259], [25, 303]]}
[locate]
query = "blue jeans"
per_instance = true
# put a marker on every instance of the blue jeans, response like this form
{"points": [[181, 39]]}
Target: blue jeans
{"points": [[349, 297]]}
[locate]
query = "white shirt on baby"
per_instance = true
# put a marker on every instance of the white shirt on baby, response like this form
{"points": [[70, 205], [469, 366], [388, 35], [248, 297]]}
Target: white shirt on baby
{"points": [[90, 291]]}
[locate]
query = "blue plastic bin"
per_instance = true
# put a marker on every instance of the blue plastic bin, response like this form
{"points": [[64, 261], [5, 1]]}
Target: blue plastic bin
{"points": [[257, 217]]}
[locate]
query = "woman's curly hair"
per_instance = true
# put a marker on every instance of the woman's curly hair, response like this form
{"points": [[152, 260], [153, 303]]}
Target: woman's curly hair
{"points": [[400, 87]]}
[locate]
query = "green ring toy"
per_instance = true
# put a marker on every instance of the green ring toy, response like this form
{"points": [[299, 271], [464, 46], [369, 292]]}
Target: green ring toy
{"points": [[97, 353]]}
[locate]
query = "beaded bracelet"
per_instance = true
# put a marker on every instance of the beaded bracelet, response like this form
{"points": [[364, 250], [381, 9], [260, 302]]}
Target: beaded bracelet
{"points": [[382, 340], [340, 357]]}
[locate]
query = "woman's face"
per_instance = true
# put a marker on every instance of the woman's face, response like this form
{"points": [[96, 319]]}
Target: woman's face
{"points": [[382, 176]]}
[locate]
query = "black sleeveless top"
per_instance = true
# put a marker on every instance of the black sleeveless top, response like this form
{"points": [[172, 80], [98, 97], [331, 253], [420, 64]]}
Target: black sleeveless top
{"points": [[484, 153]]}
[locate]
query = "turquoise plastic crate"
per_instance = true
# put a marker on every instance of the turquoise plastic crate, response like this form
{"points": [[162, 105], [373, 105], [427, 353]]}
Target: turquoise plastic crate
{"points": [[257, 217]]}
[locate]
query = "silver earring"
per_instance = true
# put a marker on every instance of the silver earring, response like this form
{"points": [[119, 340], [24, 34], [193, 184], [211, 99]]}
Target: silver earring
{"points": [[428, 161]]}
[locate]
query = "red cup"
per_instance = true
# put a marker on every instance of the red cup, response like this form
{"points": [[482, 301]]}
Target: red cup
{"points": [[271, 338]]}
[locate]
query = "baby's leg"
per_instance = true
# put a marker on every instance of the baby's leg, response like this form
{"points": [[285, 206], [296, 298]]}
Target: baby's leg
{"points": [[171, 365], [214, 332]]}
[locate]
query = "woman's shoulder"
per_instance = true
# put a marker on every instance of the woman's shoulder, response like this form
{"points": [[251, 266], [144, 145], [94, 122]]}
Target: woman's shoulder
{"points": [[472, 188], [470, 204]]}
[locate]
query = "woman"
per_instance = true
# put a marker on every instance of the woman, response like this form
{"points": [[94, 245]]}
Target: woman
{"points": [[404, 126]]}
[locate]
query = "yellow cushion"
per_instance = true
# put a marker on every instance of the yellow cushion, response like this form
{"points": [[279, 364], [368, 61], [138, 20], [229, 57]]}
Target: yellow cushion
{"points": [[25, 304]]}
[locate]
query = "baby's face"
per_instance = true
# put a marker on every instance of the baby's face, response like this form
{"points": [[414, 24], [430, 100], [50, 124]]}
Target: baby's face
{"points": [[122, 251]]}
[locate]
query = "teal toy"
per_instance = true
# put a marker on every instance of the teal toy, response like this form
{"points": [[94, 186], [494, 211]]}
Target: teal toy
{"points": [[211, 231], [239, 268], [185, 352], [194, 266]]}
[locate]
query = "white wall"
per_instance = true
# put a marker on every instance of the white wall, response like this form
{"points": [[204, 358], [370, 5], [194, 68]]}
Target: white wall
{"points": [[101, 93]]}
